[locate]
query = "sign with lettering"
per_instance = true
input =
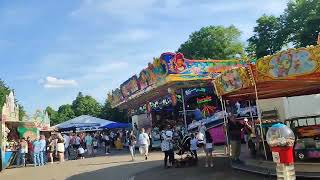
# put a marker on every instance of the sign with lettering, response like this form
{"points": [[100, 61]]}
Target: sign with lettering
{"points": [[204, 100]]}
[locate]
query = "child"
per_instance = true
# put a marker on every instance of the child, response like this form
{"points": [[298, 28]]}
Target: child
{"points": [[80, 152], [194, 146]]}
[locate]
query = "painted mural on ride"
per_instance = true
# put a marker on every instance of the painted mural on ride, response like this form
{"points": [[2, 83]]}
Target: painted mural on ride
{"points": [[169, 67], [301, 63]]}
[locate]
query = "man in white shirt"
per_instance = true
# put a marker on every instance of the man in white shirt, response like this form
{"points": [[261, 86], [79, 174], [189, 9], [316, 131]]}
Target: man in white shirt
{"points": [[66, 145], [144, 143]]}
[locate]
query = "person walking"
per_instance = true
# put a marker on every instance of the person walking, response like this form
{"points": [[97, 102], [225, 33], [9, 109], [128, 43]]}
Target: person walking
{"points": [[167, 147], [60, 147], [95, 144], [77, 141], [132, 143], [235, 138], [144, 142], [208, 149], [36, 152], [30, 150], [194, 146], [107, 143], [42, 154], [88, 141], [66, 138], [51, 148], [23, 150]]}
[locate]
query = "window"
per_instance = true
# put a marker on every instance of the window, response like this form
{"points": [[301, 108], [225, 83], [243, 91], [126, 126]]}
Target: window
{"points": [[302, 122], [311, 121]]}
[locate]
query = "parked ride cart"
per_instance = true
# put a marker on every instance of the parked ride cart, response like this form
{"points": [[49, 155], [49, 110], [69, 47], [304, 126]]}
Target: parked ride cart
{"points": [[307, 131]]}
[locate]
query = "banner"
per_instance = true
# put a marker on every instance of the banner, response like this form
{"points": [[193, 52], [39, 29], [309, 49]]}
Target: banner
{"points": [[180, 68]]}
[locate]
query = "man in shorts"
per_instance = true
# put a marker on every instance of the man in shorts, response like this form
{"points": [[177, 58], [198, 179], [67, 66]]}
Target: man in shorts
{"points": [[144, 143]]}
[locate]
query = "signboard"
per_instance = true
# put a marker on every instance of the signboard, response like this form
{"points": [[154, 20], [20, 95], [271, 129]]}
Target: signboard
{"points": [[192, 92], [130, 87]]}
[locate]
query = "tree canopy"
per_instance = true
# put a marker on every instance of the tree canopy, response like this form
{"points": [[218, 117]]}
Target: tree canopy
{"points": [[85, 105], [299, 26], [213, 42], [265, 40]]}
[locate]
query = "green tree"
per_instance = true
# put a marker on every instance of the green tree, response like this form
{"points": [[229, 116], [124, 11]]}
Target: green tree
{"points": [[22, 112], [54, 116], [301, 22], [113, 114], [267, 38], [4, 91], [213, 42], [65, 113], [107, 111], [86, 105]]}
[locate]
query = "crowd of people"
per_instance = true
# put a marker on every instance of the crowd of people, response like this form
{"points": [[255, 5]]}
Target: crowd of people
{"points": [[72, 146], [68, 146]]}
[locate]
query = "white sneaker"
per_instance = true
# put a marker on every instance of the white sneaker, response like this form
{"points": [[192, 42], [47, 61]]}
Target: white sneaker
{"points": [[206, 165], [107, 153], [211, 165]]}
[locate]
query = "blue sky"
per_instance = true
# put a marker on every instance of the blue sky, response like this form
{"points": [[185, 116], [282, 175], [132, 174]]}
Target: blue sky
{"points": [[50, 50]]}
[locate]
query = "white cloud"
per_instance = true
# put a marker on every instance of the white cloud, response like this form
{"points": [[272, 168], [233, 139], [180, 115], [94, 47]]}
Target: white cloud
{"points": [[53, 82]]}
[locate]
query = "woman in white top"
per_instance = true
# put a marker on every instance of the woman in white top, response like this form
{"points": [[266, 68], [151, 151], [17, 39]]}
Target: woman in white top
{"points": [[167, 147]]}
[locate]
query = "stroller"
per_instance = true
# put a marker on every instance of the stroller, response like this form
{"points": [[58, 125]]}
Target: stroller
{"points": [[186, 158]]}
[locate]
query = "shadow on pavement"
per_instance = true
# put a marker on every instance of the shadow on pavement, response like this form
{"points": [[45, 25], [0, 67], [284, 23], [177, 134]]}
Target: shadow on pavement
{"points": [[153, 170]]}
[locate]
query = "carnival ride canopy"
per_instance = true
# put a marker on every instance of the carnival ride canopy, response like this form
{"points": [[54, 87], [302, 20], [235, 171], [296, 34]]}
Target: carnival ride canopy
{"points": [[170, 72], [288, 73], [84, 121]]}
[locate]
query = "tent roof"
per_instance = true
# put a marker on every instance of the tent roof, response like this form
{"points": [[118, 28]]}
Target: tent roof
{"points": [[116, 125], [84, 121]]}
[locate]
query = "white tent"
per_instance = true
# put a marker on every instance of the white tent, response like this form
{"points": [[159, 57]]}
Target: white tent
{"points": [[83, 123]]}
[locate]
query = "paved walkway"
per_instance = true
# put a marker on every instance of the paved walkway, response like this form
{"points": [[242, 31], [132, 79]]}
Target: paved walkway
{"points": [[118, 167]]}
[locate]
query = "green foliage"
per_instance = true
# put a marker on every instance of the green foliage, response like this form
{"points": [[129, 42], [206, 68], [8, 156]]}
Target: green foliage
{"points": [[22, 112], [113, 114], [65, 113], [301, 22], [298, 25], [213, 42], [54, 116], [266, 39], [86, 105], [4, 91]]}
